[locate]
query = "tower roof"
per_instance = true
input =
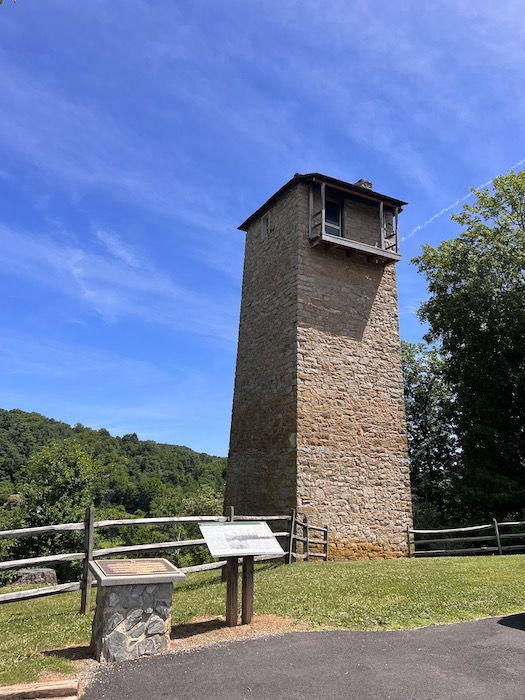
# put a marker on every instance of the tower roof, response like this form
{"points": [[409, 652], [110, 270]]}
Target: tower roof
{"points": [[357, 192]]}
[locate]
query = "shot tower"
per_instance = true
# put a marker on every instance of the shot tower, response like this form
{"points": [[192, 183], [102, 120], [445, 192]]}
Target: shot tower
{"points": [[318, 420]]}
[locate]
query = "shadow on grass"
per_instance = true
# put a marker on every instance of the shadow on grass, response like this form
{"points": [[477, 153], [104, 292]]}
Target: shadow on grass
{"points": [[78, 653], [192, 629], [517, 622]]}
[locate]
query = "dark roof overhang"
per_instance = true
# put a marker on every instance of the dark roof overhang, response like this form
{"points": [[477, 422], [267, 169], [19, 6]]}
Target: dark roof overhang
{"points": [[362, 194]]}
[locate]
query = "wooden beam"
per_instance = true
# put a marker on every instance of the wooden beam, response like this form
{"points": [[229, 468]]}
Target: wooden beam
{"points": [[87, 576], [37, 531], [310, 210], [291, 536], [323, 209], [396, 229], [371, 251], [157, 546], [232, 591], [50, 689], [40, 592], [159, 521], [247, 590], [262, 517], [381, 226], [35, 561], [203, 567]]}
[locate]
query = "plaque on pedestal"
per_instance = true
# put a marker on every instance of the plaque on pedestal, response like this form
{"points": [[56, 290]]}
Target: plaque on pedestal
{"points": [[133, 612], [122, 572]]}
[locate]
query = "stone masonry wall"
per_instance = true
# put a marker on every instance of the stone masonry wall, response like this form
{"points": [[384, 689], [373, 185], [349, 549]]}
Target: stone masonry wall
{"points": [[318, 418], [262, 458], [352, 455]]}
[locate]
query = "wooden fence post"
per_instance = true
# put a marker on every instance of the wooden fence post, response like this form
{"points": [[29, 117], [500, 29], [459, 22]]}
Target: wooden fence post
{"points": [[247, 590], [87, 576], [306, 535], [498, 539], [325, 543], [291, 537], [408, 543]]}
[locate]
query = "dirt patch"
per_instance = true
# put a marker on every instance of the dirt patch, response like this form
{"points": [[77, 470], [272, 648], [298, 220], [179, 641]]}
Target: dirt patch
{"points": [[204, 631]]}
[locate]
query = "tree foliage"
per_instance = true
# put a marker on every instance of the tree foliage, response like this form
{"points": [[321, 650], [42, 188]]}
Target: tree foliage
{"points": [[476, 312], [50, 473], [59, 483], [132, 473], [432, 444]]}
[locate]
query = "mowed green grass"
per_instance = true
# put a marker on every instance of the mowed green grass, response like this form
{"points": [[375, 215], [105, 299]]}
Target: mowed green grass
{"points": [[364, 595]]}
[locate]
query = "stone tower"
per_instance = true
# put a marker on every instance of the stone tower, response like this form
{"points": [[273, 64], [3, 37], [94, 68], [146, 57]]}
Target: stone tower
{"points": [[318, 419]]}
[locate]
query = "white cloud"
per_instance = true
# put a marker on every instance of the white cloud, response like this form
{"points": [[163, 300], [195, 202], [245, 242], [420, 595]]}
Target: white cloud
{"points": [[113, 288], [116, 247]]}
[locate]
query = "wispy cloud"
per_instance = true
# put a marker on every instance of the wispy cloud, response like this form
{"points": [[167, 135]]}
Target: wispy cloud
{"points": [[454, 205], [116, 247], [116, 286]]}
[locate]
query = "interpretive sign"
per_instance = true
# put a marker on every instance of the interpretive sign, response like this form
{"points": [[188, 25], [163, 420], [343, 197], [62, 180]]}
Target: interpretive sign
{"points": [[122, 572], [240, 539]]}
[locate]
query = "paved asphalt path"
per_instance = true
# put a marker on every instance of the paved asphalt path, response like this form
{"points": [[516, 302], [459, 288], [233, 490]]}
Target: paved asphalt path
{"points": [[481, 660]]}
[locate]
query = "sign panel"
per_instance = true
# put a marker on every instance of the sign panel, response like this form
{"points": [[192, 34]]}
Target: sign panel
{"points": [[120, 572], [240, 539]]}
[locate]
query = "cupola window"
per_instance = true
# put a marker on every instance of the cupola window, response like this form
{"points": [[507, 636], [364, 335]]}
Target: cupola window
{"points": [[333, 217]]}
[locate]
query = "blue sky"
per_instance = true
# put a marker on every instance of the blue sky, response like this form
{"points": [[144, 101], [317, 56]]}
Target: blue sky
{"points": [[136, 135]]}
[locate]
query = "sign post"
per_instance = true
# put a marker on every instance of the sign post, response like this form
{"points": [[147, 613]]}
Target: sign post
{"points": [[233, 541], [232, 593], [247, 590]]}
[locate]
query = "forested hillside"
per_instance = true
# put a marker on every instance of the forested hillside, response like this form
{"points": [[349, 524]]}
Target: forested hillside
{"points": [[50, 473], [131, 474]]}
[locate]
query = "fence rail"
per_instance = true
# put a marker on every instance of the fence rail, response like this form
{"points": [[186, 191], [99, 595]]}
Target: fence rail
{"points": [[494, 539], [310, 547]]}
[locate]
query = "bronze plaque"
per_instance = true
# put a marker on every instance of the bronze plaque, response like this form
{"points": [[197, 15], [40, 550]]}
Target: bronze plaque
{"points": [[120, 572], [135, 567]]}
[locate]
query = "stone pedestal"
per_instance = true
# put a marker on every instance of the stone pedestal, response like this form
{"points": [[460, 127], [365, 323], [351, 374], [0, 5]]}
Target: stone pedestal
{"points": [[133, 613], [131, 621]]}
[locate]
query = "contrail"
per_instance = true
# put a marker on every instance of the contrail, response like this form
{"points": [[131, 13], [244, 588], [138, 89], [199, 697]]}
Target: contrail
{"points": [[453, 206]]}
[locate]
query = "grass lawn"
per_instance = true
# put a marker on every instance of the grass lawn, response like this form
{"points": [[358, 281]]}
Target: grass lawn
{"points": [[364, 595]]}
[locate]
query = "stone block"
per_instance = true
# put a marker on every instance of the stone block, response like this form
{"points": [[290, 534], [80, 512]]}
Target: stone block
{"points": [[40, 577]]}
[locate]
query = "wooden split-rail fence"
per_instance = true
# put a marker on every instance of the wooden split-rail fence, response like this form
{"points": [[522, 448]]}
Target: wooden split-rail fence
{"points": [[492, 538], [299, 539]]}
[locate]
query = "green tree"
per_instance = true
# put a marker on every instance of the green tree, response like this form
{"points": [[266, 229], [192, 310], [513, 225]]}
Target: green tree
{"points": [[432, 442], [206, 500], [476, 311], [58, 485]]}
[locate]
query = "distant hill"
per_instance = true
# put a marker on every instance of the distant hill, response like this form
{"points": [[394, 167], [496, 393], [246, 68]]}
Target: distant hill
{"points": [[139, 471]]}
